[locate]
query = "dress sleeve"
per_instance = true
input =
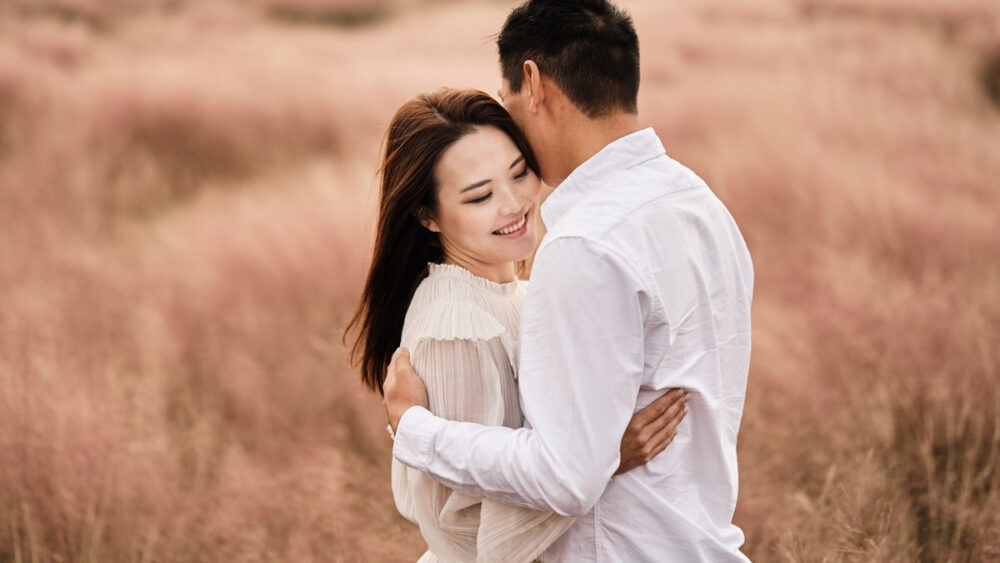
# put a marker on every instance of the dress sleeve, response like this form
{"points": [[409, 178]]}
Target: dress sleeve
{"points": [[581, 367], [470, 380]]}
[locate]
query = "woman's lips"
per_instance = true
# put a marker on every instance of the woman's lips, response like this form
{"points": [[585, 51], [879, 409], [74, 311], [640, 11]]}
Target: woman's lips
{"points": [[513, 229]]}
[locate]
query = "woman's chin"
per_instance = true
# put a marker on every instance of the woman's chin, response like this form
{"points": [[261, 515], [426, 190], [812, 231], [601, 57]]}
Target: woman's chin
{"points": [[526, 252]]}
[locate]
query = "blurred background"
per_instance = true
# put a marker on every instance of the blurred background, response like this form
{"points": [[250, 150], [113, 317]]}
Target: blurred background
{"points": [[187, 196]]}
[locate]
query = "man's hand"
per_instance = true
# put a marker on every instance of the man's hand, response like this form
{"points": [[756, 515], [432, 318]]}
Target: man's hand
{"points": [[402, 388], [652, 429]]}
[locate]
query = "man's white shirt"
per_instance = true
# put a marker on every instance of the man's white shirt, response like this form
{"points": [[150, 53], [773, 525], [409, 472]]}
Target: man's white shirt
{"points": [[643, 283]]}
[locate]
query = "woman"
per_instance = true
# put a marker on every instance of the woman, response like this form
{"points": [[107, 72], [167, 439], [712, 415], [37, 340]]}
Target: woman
{"points": [[458, 216]]}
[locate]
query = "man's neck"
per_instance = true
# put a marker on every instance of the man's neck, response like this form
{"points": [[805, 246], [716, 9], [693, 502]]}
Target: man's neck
{"points": [[583, 137]]}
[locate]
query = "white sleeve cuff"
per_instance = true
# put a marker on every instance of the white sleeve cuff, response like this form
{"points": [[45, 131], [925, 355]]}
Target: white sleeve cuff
{"points": [[414, 437]]}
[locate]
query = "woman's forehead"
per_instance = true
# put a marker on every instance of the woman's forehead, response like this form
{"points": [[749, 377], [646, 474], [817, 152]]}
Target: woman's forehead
{"points": [[481, 155]]}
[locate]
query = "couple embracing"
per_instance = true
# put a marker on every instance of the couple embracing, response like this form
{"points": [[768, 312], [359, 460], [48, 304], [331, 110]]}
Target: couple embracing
{"points": [[591, 414]]}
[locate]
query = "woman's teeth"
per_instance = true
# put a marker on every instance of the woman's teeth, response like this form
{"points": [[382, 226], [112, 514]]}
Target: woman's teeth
{"points": [[512, 227]]}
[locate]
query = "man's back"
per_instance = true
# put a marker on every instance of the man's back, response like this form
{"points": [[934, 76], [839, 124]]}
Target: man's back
{"points": [[649, 219], [643, 283]]}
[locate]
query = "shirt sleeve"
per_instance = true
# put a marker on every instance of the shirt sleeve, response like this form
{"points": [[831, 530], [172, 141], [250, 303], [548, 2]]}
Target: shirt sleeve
{"points": [[581, 364], [470, 380]]}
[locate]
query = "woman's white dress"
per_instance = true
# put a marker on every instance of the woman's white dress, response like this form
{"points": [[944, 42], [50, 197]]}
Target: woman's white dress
{"points": [[462, 331]]}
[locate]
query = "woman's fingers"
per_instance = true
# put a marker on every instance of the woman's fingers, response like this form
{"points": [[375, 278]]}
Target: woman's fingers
{"points": [[662, 438], [678, 414], [658, 447], [652, 429], [673, 408], [655, 410]]}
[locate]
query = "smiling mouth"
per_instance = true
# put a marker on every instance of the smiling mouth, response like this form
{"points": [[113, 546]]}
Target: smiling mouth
{"points": [[514, 227]]}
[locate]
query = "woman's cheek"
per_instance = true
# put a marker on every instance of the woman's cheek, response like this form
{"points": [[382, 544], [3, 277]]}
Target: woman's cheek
{"points": [[478, 221]]}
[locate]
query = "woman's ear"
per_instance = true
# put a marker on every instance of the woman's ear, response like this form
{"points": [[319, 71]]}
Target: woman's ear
{"points": [[427, 219]]}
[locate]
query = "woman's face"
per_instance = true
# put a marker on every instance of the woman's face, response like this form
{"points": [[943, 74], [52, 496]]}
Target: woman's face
{"points": [[487, 198]]}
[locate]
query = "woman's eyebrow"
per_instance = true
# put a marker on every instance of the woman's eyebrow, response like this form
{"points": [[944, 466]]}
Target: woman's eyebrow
{"points": [[484, 182], [474, 186]]}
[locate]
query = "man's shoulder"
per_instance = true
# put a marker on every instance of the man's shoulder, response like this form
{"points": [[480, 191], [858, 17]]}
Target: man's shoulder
{"points": [[627, 201]]}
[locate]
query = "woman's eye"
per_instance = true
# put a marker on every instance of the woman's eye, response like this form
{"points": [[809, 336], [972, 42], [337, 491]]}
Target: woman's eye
{"points": [[481, 199], [522, 173]]}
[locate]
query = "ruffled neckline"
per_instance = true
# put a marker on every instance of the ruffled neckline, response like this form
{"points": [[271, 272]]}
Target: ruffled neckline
{"points": [[460, 272]]}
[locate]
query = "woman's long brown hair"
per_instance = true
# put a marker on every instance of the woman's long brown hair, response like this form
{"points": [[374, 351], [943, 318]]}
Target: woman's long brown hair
{"points": [[420, 132]]}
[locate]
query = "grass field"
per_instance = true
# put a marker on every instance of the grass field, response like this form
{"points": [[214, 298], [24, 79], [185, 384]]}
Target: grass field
{"points": [[186, 208]]}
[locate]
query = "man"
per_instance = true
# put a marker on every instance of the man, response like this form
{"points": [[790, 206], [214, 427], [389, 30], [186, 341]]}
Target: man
{"points": [[642, 283]]}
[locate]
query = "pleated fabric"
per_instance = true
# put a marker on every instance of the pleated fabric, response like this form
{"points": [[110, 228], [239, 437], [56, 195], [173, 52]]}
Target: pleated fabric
{"points": [[462, 331]]}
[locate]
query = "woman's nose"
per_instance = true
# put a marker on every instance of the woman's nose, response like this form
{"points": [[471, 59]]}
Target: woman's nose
{"points": [[509, 201]]}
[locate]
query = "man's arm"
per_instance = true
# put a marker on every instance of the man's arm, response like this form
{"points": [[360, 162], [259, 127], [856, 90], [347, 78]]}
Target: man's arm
{"points": [[581, 365]]}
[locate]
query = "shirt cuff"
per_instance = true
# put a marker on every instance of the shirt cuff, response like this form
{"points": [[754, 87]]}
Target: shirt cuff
{"points": [[414, 436]]}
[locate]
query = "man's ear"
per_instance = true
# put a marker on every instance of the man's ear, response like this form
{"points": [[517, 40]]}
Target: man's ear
{"points": [[427, 219], [533, 82]]}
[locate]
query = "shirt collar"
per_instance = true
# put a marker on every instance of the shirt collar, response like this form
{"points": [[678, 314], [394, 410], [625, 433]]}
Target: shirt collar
{"points": [[618, 155]]}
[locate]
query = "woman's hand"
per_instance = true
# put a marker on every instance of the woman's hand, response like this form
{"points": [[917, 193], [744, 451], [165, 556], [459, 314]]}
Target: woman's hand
{"points": [[403, 389], [652, 429]]}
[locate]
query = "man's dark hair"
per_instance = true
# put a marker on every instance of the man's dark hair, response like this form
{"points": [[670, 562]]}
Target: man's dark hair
{"points": [[589, 48]]}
